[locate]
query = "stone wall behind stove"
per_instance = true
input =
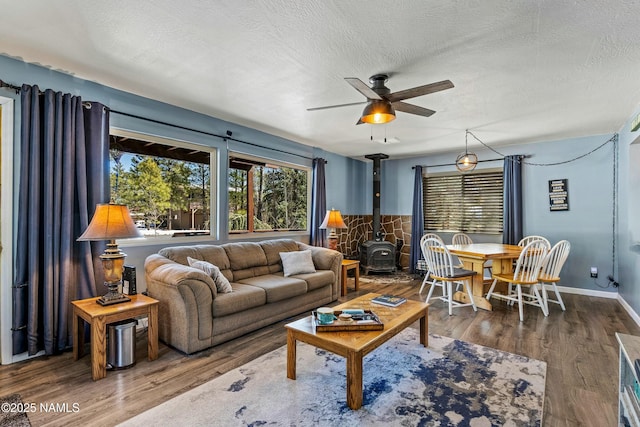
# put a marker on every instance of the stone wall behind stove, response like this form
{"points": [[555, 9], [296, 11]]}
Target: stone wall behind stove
{"points": [[397, 230]]}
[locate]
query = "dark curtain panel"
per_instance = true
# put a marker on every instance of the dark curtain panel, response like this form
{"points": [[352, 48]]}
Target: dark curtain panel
{"points": [[318, 203], [64, 158], [417, 221], [512, 200]]}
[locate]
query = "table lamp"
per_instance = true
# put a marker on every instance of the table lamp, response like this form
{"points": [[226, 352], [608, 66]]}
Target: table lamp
{"points": [[111, 221], [333, 220]]}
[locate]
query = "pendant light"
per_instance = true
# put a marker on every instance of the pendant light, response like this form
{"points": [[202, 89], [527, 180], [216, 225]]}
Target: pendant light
{"points": [[466, 161]]}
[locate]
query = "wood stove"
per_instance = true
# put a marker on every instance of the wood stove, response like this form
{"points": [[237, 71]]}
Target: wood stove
{"points": [[377, 255]]}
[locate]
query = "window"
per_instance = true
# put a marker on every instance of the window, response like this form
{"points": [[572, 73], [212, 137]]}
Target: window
{"points": [[165, 183], [267, 196], [470, 203]]}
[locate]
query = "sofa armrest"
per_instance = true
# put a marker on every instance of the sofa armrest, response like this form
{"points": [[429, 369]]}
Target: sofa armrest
{"points": [[326, 259], [186, 298]]}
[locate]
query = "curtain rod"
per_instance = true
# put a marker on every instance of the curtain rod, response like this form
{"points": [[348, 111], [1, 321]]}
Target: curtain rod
{"points": [[226, 137], [453, 164], [10, 86]]}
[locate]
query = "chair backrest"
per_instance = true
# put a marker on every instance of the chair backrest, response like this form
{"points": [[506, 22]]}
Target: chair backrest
{"points": [[526, 240], [555, 259], [429, 236], [438, 257], [530, 262], [461, 239]]}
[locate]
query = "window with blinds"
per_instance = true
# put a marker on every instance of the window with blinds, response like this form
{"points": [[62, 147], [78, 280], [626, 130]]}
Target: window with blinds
{"points": [[470, 203]]}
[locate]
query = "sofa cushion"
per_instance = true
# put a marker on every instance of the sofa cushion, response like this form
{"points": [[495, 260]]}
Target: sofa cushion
{"points": [[317, 280], [222, 284], [243, 297], [278, 287], [247, 260], [216, 255], [297, 262], [272, 249]]}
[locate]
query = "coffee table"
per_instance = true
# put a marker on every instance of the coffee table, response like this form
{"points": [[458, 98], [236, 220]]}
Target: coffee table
{"points": [[354, 345]]}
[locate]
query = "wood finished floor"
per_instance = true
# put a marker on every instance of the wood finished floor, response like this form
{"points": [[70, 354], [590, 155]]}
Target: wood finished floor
{"points": [[578, 345]]}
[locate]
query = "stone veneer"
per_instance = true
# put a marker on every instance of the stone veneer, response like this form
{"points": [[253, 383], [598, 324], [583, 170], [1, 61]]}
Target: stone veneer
{"points": [[360, 229]]}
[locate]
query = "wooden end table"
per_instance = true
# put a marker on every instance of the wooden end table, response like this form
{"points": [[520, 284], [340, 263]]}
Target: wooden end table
{"points": [[354, 345], [98, 317], [349, 264]]}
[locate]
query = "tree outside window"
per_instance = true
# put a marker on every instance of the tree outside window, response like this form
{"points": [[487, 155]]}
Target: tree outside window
{"points": [[167, 188], [266, 197]]}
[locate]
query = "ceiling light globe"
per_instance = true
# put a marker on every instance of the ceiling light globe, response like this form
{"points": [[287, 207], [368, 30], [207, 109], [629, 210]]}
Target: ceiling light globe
{"points": [[466, 162]]}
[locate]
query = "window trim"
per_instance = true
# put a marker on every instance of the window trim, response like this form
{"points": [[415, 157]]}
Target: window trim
{"points": [[214, 202], [272, 233], [453, 174]]}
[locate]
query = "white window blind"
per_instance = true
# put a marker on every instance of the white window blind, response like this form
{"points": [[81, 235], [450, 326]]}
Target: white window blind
{"points": [[470, 203]]}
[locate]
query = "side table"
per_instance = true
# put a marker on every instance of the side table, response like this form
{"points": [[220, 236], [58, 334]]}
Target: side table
{"points": [[349, 264], [98, 317]]}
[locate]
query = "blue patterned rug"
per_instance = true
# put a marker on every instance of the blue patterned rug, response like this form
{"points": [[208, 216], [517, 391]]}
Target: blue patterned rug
{"points": [[451, 383]]}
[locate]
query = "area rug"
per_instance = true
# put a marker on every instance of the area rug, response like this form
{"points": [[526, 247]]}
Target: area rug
{"points": [[387, 279], [12, 412], [450, 383]]}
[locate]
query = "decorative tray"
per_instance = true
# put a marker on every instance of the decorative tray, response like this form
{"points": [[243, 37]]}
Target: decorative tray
{"points": [[361, 320]]}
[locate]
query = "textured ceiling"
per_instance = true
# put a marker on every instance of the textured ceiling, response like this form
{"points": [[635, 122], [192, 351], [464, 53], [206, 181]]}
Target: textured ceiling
{"points": [[523, 70]]}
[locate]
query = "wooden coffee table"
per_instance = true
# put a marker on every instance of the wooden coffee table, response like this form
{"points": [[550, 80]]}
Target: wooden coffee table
{"points": [[354, 345]]}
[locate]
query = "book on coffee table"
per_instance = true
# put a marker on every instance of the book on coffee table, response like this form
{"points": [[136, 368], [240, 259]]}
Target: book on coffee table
{"points": [[389, 300]]}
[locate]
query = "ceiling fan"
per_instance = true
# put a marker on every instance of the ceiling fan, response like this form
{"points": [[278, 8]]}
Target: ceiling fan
{"points": [[382, 104]]}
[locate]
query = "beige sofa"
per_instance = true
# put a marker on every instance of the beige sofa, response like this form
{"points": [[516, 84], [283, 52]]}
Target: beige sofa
{"points": [[193, 315]]}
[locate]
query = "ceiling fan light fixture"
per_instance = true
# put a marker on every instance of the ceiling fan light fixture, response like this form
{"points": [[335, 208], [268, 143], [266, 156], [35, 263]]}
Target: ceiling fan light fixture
{"points": [[466, 161], [377, 112]]}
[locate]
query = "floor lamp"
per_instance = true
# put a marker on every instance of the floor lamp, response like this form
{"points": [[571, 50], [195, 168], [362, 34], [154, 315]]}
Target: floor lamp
{"points": [[333, 220]]}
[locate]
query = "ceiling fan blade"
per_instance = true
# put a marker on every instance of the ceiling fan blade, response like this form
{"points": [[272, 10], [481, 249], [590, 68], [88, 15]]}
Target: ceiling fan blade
{"points": [[336, 106], [419, 91], [362, 87], [412, 109]]}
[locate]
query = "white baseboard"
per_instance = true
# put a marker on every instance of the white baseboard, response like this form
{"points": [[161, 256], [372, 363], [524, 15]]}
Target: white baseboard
{"points": [[630, 310], [602, 294]]}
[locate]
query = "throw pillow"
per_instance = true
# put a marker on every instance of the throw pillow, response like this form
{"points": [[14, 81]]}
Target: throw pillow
{"points": [[222, 283], [297, 262]]}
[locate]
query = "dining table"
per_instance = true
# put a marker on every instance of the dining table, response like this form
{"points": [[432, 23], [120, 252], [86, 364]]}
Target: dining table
{"points": [[474, 257]]}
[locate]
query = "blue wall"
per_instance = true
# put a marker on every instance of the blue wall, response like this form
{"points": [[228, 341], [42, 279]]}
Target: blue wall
{"points": [[629, 224], [345, 176], [588, 225]]}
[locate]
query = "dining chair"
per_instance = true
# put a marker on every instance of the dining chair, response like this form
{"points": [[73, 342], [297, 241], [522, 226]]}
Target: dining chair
{"points": [[526, 274], [461, 239], [464, 239], [528, 239], [427, 275], [550, 274], [445, 274]]}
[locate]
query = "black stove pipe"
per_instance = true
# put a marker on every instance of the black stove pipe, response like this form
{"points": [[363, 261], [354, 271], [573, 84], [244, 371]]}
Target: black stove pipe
{"points": [[378, 235]]}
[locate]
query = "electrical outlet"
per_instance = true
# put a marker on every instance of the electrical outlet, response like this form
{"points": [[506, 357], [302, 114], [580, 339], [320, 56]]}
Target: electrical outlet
{"points": [[594, 272]]}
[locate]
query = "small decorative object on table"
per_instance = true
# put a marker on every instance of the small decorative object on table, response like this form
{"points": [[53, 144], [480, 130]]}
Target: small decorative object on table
{"points": [[389, 300], [349, 320]]}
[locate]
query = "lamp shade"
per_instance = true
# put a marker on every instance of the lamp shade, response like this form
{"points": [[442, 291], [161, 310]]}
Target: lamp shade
{"points": [[333, 219], [378, 111], [109, 222]]}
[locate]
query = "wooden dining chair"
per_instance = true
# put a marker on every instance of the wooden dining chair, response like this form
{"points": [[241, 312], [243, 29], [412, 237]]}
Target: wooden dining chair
{"points": [[445, 274], [464, 239], [528, 268], [550, 274], [528, 239], [427, 276], [461, 239]]}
